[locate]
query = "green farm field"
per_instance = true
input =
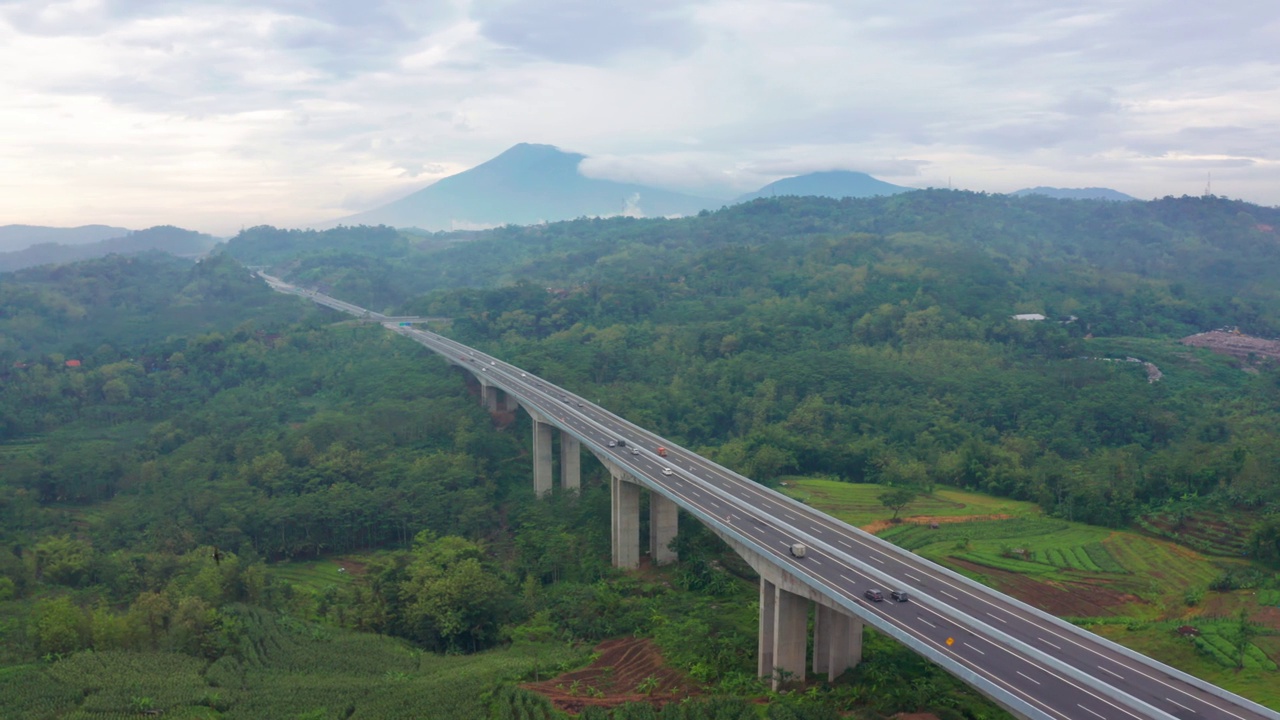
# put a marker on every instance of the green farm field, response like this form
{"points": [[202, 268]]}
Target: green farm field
{"points": [[859, 504], [991, 538], [314, 575]]}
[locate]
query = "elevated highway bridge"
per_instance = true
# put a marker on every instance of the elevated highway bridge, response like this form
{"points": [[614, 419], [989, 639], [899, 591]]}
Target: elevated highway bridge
{"points": [[1031, 663]]}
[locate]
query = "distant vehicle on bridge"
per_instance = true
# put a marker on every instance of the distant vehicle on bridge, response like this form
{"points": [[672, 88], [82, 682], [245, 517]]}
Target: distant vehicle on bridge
{"points": [[662, 452]]}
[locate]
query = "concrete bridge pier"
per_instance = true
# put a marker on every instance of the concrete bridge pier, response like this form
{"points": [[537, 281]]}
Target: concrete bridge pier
{"points": [[784, 624], [541, 456], [570, 462], [664, 522], [784, 634], [570, 455], [489, 396], [837, 641], [507, 402], [624, 495]]}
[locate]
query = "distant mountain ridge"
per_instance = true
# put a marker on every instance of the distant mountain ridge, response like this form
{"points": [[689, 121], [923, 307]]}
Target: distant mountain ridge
{"points": [[20, 237], [833, 184], [166, 238], [525, 185], [1088, 193]]}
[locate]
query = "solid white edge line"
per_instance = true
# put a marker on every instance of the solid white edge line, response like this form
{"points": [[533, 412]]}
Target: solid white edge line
{"points": [[1104, 717]]}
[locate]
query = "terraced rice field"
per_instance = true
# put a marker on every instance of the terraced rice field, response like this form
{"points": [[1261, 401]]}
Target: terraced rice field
{"points": [[1215, 532], [1168, 569], [996, 540]]}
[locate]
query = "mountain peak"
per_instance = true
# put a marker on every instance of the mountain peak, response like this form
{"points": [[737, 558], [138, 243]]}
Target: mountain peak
{"points": [[828, 183], [527, 183], [1088, 193], [527, 160]]}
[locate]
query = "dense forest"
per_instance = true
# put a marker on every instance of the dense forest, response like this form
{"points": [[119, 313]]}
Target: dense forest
{"points": [[1193, 262], [171, 433], [872, 339]]}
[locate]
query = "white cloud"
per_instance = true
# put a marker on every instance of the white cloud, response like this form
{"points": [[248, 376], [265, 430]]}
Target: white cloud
{"points": [[214, 116]]}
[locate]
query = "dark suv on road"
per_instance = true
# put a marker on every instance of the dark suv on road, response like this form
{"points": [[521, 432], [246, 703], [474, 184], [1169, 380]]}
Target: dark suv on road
{"points": [[874, 595], [900, 595]]}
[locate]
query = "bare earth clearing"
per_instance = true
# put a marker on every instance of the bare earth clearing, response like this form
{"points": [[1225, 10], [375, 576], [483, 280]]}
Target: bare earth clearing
{"points": [[1239, 346], [627, 670]]}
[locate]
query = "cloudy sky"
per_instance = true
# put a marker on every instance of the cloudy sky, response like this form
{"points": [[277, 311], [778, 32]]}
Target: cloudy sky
{"points": [[219, 114]]}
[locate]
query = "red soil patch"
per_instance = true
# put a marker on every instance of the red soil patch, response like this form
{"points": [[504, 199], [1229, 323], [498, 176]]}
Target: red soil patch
{"points": [[352, 566], [1268, 616], [1060, 598], [616, 677], [881, 525]]}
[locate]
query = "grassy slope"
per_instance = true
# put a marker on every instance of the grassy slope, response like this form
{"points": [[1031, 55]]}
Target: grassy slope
{"points": [[1143, 580], [858, 504], [283, 669]]}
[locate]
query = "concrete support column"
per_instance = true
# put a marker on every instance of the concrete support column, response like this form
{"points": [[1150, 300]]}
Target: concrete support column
{"points": [[512, 404], [837, 642], [488, 396], [664, 518], [626, 521], [541, 458], [823, 627], [764, 645], [570, 462], [790, 636], [855, 643]]}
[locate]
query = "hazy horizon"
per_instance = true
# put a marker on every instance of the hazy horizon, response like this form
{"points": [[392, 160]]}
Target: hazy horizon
{"points": [[220, 117]]}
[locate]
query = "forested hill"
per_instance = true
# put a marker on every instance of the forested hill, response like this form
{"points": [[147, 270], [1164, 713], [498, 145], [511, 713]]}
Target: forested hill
{"points": [[1222, 254], [126, 302], [873, 340], [166, 238]]}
